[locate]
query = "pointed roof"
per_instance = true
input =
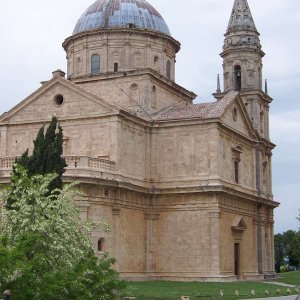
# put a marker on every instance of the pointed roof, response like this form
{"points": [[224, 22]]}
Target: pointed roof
{"points": [[209, 110], [99, 103], [241, 17], [206, 111]]}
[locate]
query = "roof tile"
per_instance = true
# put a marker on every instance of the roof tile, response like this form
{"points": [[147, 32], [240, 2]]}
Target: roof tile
{"points": [[210, 110]]}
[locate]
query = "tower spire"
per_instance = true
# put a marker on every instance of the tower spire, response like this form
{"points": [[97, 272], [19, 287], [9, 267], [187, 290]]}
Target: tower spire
{"points": [[241, 17], [241, 31], [266, 87], [242, 54], [218, 84]]}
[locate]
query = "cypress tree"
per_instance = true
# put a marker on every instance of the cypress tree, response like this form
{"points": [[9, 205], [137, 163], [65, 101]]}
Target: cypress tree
{"points": [[35, 165], [24, 160], [46, 157], [52, 153]]}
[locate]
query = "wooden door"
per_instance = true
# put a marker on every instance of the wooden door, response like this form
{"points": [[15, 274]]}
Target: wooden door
{"points": [[237, 259]]}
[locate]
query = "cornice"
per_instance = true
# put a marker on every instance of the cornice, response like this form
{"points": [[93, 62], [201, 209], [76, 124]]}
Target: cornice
{"points": [[139, 72], [259, 92], [239, 49], [103, 31]]}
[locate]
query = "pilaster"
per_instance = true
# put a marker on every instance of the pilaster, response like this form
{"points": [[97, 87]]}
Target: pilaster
{"points": [[151, 229], [3, 141], [215, 216]]}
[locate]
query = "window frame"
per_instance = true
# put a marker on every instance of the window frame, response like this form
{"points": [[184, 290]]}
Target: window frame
{"points": [[95, 64]]}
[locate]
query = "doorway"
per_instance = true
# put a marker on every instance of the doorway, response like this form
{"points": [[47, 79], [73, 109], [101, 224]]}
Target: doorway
{"points": [[237, 259]]}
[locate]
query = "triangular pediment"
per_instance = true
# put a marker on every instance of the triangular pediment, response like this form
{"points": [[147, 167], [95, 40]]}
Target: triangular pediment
{"points": [[239, 224], [58, 97], [236, 117]]}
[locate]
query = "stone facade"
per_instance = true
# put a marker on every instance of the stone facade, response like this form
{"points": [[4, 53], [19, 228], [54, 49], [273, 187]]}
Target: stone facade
{"points": [[186, 188]]}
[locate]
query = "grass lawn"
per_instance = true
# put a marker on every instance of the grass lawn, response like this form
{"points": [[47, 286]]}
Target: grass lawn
{"points": [[166, 290], [290, 278]]}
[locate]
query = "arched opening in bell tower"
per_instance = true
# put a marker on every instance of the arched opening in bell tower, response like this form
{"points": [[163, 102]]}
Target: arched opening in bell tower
{"points": [[238, 77]]}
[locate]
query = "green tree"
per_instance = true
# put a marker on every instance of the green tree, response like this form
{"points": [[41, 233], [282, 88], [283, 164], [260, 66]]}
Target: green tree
{"points": [[291, 242], [287, 246], [44, 252], [46, 157], [47, 154], [279, 251]]}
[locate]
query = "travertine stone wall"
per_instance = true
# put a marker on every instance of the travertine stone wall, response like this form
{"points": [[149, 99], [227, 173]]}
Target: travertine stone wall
{"points": [[84, 138], [227, 144], [257, 106], [131, 50], [133, 156], [178, 153], [247, 240], [166, 156], [235, 118], [75, 105], [144, 93]]}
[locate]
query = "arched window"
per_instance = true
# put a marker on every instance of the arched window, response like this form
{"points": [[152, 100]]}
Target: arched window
{"points": [[238, 78], [168, 70], [95, 65], [100, 245]]}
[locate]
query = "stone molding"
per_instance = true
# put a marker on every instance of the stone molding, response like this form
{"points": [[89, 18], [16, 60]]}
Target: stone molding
{"points": [[103, 31]]}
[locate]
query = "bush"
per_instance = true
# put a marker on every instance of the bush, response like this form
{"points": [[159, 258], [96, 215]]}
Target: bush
{"points": [[44, 252]]}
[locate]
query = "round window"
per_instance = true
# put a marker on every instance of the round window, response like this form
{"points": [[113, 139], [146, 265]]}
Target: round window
{"points": [[134, 86], [58, 100]]}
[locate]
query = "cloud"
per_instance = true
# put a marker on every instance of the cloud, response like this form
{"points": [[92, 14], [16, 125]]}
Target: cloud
{"points": [[285, 129]]}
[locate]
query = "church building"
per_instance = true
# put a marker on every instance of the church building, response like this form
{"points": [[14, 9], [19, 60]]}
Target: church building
{"points": [[185, 188]]}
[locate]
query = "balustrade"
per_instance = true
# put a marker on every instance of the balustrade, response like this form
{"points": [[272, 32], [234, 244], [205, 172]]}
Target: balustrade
{"points": [[6, 163]]}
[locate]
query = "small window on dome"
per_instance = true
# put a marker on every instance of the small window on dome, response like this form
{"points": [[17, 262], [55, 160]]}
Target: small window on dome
{"points": [[95, 65], [168, 70], [131, 25]]}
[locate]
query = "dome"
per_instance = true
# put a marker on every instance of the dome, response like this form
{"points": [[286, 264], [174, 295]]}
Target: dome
{"points": [[121, 13]]}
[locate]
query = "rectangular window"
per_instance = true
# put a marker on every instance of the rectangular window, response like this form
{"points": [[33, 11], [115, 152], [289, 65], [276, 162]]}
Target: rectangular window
{"points": [[116, 67], [236, 171]]}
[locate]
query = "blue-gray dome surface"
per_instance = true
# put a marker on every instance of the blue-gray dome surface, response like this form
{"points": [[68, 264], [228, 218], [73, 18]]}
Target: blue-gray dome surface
{"points": [[119, 13]]}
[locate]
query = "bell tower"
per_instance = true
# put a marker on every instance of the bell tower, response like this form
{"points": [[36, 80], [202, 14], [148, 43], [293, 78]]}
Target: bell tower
{"points": [[242, 68], [242, 65], [242, 52]]}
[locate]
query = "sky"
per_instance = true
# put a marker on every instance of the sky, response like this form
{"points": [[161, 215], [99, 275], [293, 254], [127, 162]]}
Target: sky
{"points": [[32, 32]]}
